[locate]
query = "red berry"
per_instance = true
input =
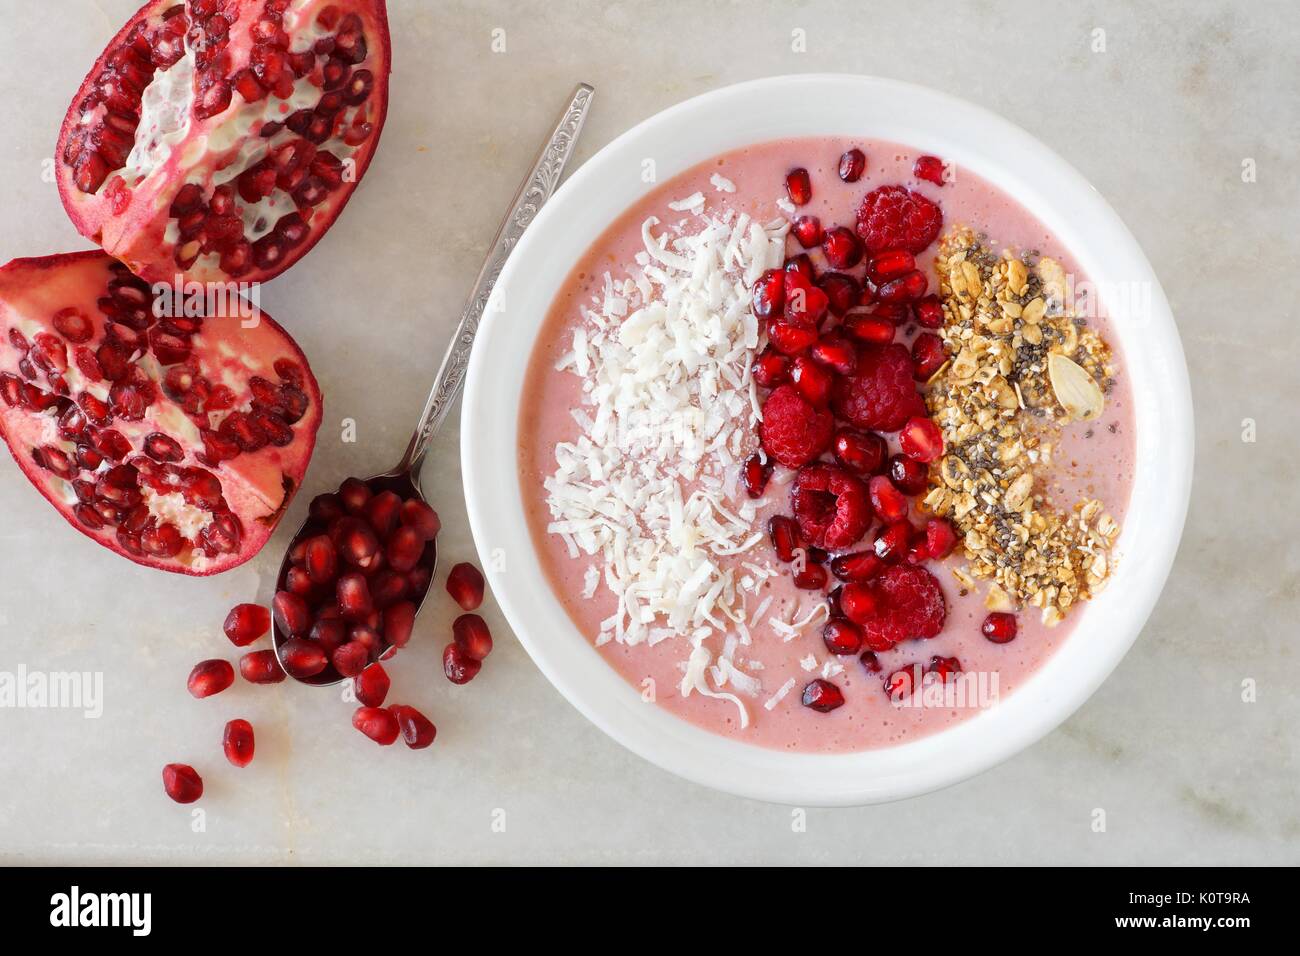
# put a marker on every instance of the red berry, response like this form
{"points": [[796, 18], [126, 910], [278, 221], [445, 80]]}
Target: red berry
{"points": [[928, 355], [911, 607], [822, 696], [881, 395], [808, 230], [813, 380], [940, 538], [831, 505], [465, 585], [929, 168], [929, 312], [459, 667], [769, 293], [852, 165], [416, 729], [238, 743], [842, 636], [894, 217], [798, 186], [770, 368], [784, 533], [908, 475], [856, 567], [842, 249], [887, 500], [921, 439], [181, 783], [793, 430], [999, 627], [861, 452]]}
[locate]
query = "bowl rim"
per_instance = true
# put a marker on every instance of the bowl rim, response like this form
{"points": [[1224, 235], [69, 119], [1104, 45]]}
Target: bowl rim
{"points": [[749, 113]]}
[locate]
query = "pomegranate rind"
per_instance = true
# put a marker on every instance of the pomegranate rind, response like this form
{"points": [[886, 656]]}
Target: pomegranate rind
{"points": [[136, 224], [257, 486]]}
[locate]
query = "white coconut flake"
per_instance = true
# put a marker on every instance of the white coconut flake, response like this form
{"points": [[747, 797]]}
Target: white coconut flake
{"points": [[722, 184], [779, 696]]}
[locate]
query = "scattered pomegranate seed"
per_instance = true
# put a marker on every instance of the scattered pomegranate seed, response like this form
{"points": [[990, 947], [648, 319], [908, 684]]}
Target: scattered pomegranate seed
{"points": [[798, 186], [350, 659], [246, 623], [399, 621], [808, 230], [888, 501], [907, 288], [921, 440], [861, 452], [929, 312], [769, 293], [842, 636], [237, 741], [379, 725], [928, 355], [842, 293], [908, 475], [870, 662], [291, 613], [784, 532], [929, 168], [872, 329], [842, 248], [852, 165], [891, 544], [858, 566], [416, 729], [371, 686], [459, 667], [917, 551], [900, 685], [940, 538], [835, 352], [755, 474], [770, 369], [465, 585], [802, 264], [261, 667], [811, 577], [822, 696], [790, 339], [812, 380], [858, 601], [472, 636], [890, 264], [999, 627], [945, 667], [181, 783], [210, 677], [302, 658]]}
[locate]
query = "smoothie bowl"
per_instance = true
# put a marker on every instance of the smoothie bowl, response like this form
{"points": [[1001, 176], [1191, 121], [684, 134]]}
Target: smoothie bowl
{"points": [[828, 440]]}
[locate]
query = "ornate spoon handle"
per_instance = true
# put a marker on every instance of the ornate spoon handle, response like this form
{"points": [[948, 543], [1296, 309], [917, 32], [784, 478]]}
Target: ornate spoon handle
{"points": [[535, 190]]}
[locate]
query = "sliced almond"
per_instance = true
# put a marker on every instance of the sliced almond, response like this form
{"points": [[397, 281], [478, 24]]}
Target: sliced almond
{"points": [[1074, 388]]}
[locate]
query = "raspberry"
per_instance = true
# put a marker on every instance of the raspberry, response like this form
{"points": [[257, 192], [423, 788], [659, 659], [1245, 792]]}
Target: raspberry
{"points": [[910, 605], [793, 431], [881, 395], [894, 217], [832, 506]]}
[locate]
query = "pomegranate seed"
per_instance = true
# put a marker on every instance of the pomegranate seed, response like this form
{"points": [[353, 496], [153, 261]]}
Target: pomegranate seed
{"points": [[812, 380], [770, 369], [471, 634], [999, 627], [417, 730], [377, 724], [246, 623], [328, 633], [858, 602], [929, 168], [891, 544], [852, 165], [387, 587], [945, 667], [354, 493], [811, 577], [769, 293], [326, 508], [355, 541], [858, 566], [383, 511], [842, 248], [372, 685], [871, 329], [299, 582], [862, 452], [398, 622], [354, 596], [929, 312], [801, 264], [822, 696], [404, 548], [181, 783], [291, 614], [210, 677], [237, 741], [351, 659], [261, 667], [928, 356], [418, 515], [908, 288], [890, 264], [835, 353], [459, 667], [784, 532], [870, 662], [842, 636], [887, 500], [321, 560], [755, 474], [901, 684], [798, 186], [465, 585], [790, 339], [918, 552], [302, 658], [921, 440], [908, 475], [940, 538], [806, 304], [833, 601], [808, 231]]}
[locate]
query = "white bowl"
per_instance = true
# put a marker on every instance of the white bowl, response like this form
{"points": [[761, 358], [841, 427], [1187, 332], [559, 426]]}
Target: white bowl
{"points": [[808, 105]]}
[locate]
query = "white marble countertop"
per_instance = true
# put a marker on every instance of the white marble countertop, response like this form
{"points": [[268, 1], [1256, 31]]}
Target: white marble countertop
{"points": [[1161, 122]]}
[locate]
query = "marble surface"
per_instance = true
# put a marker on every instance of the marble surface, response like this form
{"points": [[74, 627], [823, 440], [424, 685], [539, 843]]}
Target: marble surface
{"points": [[1161, 122]]}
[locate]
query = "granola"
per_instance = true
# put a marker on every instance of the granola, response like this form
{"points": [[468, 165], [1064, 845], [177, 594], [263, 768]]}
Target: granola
{"points": [[1021, 366]]}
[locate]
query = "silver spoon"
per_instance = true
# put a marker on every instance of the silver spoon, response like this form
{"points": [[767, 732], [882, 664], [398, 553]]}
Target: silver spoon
{"points": [[404, 480]]}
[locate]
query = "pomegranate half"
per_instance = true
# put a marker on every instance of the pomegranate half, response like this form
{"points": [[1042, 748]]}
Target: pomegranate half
{"points": [[172, 438], [220, 139]]}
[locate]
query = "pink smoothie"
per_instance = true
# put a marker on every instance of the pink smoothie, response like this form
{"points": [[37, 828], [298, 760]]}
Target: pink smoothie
{"points": [[1093, 460]]}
